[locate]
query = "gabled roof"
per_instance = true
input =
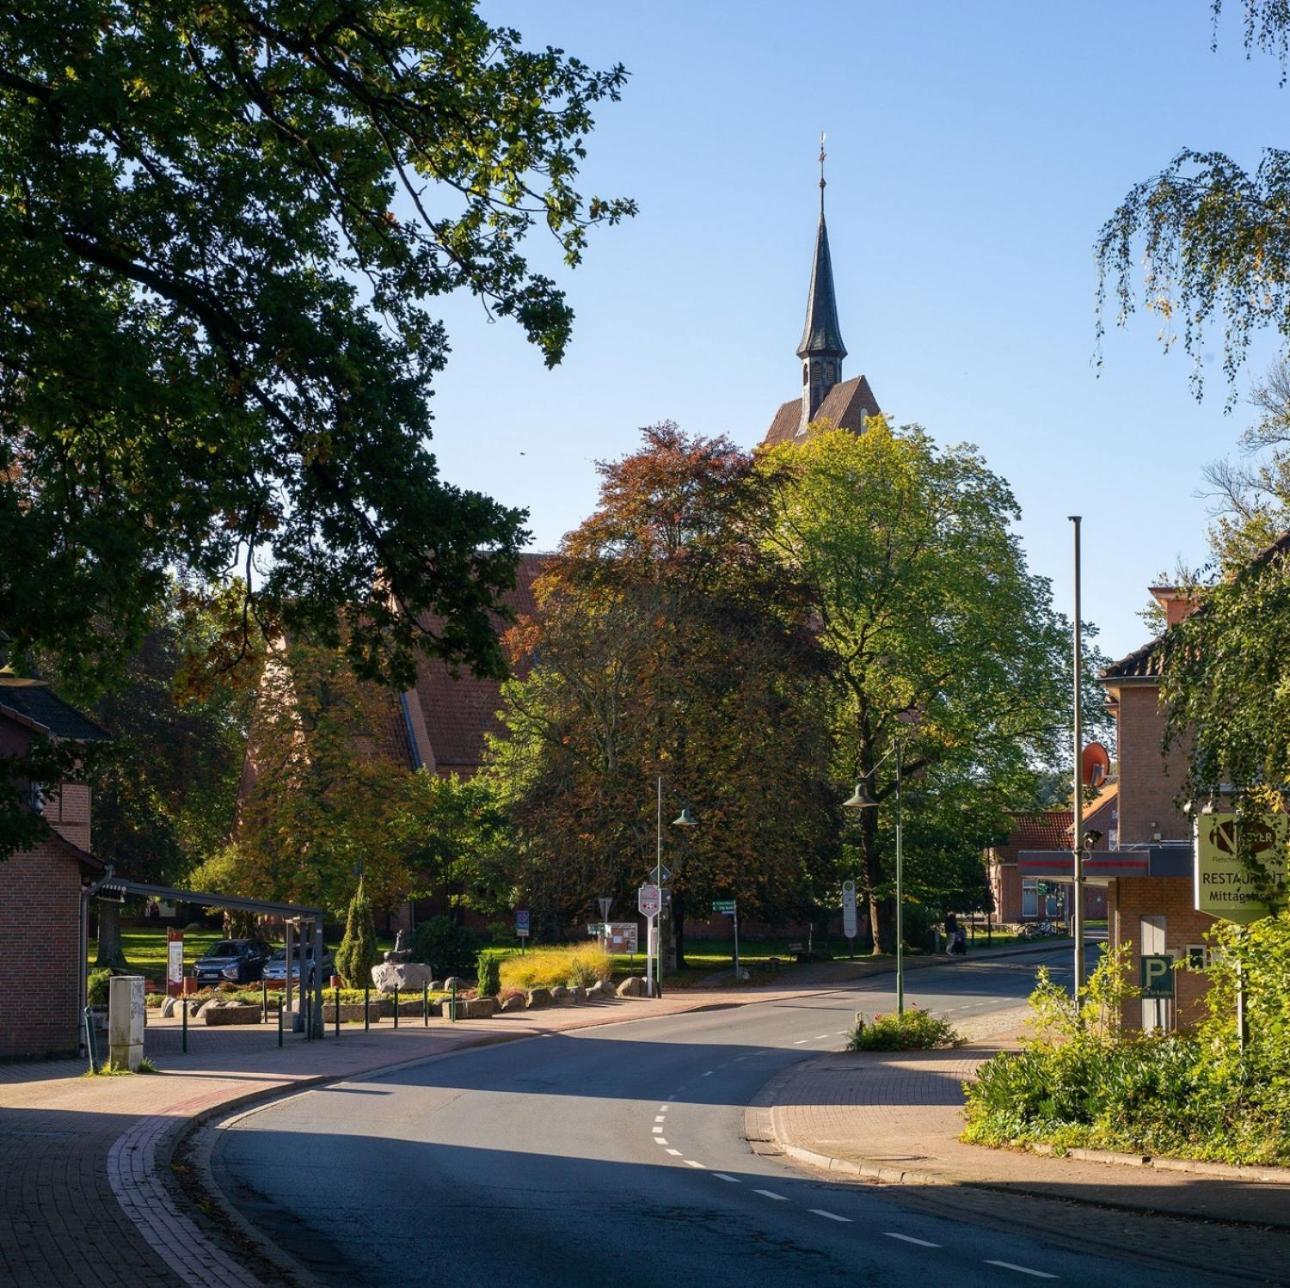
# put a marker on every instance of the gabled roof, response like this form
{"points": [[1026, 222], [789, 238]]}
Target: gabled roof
{"points": [[34, 704], [1048, 829], [822, 335], [1142, 663], [845, 405]]}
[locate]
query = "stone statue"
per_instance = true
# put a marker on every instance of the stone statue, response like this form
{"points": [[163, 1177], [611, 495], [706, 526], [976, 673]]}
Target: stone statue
{"points": [[402, 950], [398, 970]]}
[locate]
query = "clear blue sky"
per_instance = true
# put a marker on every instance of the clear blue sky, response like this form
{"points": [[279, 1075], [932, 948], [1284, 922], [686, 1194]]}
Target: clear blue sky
{"points": [[974, 152]]}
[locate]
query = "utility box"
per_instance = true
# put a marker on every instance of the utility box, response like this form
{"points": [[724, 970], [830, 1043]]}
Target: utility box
{"points": [[126, 1016]]}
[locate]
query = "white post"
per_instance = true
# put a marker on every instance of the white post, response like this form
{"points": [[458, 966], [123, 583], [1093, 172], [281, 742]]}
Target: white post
{"points": [[125, 1022]]}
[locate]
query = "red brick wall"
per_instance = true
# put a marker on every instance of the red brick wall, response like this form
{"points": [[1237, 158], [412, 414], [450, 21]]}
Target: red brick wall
{"points": [[40, 908], [1171, 897], [1149, 782]]}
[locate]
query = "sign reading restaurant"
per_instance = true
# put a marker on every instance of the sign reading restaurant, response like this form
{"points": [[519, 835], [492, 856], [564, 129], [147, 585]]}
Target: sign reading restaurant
{"points": [[1227, 885]]}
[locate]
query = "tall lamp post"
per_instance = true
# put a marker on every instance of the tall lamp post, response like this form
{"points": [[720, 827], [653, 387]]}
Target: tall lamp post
{"points": [[654, 967], [860, 799]]}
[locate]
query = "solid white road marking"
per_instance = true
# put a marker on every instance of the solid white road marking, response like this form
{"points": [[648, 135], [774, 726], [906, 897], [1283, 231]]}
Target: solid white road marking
{"points": [[1021, 1270], [677, 1152], [909, 1238], [689, 1162], [832, 1216], [722, 1176], [770, 1194]]}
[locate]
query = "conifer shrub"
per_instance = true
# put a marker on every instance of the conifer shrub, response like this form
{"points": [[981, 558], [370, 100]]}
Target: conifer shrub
{"points": [[358, 953]]}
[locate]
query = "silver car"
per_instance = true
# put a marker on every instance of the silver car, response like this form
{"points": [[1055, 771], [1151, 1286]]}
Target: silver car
{"points": [[276, 970]]}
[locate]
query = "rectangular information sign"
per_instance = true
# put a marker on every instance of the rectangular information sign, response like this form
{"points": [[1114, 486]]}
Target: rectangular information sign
{"points": [[726, 906], [621, 937], [848, 909], [1226, 884], [521, 923], [1157, 976], [175, 957]]}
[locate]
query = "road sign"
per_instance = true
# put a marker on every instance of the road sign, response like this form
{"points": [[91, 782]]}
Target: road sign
{"points": [[663, 873], [521, 923], [1226, 885], [724, 906], [605, 904], [175, 957], [848, 909], [1157, 975], [649, 900]]}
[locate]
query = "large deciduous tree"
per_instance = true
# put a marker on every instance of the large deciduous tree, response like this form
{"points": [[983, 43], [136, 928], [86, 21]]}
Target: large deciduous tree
{"points": [[222, 229], [939, 637], [669, 642], [1210, 237]]}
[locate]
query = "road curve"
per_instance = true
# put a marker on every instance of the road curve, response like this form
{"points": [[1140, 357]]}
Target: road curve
{"points": [[615, 1155]]}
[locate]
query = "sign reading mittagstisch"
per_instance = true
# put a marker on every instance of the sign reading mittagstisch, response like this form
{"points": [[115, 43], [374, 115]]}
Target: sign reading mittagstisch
{"points": [[1225, 885]]}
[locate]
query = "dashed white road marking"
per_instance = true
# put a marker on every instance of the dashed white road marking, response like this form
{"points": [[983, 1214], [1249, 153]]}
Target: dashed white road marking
{"points": [[689, 1162], [709, 1073], [832, 1216], [671, 1097], [841, 1033], [770, 1194], [664, 1108], [658, 1118], [658, 1140], [909, 1238], [658, 1131], [801, 1041], [722, 1176], [1021, 1270], [677, 1152], [819, 1037]]}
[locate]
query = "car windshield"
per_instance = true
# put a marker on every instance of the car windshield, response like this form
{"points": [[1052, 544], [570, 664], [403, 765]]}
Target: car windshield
{"points": [[225, 948]]}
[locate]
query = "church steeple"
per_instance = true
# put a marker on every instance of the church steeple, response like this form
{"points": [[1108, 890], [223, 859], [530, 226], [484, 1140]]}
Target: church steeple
{"points": [[821, 349]]}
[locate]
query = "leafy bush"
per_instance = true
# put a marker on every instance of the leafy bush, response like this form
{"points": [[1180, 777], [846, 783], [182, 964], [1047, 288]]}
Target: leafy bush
{"points": [[448, 949], [96, 991], [488, 974], [916, 1030], [357, 953], [580, 965]]}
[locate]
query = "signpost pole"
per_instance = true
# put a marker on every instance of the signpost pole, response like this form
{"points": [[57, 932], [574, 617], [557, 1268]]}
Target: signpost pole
{"points": [[1077, 812], [737, 976], [657, 937]]}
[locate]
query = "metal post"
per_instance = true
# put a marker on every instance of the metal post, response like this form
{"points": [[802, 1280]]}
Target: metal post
{"points": [[396, 1005], [317, 1009], [736, 943], [264, 1002], [425, 1006], [279, 1021], [290, 963], [900, 894], [183, 1024], [337, 990], [1242, 1027], [367, 1000], [653, 942], [1077, 811], [90, 1046], [452, 1003]]}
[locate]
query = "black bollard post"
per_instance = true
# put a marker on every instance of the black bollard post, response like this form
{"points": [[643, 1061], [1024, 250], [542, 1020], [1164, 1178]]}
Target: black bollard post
{"points": [[396, 1006], [264, 1002], [425, 1006], [338, 1010], [279, 1021], [367, 999], [453, 1002], [183, 1024]]}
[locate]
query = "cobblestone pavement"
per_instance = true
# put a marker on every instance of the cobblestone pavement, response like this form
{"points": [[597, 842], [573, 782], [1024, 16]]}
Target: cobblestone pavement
{"points": [[83, 1199]]}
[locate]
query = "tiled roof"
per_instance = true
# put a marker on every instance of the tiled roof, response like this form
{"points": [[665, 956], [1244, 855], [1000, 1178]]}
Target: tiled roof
{"points": [[845, 405], [459, 710], [1048, 829], [35, 702], [1142, 663]]}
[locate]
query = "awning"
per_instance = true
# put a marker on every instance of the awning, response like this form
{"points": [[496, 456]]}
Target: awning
{"points": [[119, 885], [1108, 865]]}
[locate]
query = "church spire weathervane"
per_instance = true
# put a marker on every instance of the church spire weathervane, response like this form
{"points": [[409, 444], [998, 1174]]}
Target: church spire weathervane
{"points": [[823, 155]]}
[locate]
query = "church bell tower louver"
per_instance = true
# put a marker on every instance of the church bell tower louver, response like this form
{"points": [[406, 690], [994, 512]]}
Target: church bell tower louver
{"points": [[821, 350]]}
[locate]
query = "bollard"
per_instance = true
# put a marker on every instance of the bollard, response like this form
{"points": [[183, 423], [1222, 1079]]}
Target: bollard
{"points": [[183, 1025], [367, 999], [264, 1002], [453, 1003], [90, 1048], [338, 1010], [425, 1006], [279, 1021], [304, 1010], [396, 1006]]}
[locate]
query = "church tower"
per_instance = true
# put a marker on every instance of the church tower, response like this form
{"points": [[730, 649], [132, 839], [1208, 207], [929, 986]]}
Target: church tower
{"points": [[825, 396], [821, 349]]}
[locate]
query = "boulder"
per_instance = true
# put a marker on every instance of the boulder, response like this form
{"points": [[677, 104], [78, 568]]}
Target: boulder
{"points": [[513, 1003], [437, 986], [168, 1007], [577, 993], [481, 1008], [454, 981], [632, 986], [537, 997], [600, 990], [407, 977], [231, 1013], [561, 996]]}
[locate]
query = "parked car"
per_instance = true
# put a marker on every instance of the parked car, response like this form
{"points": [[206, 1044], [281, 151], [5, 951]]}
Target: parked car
{"points": [[233, 961], [276, 970]]}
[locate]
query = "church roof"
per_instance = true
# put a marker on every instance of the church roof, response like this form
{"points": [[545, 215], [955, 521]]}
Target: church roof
{"points": [[822, 334], [845, 405]]}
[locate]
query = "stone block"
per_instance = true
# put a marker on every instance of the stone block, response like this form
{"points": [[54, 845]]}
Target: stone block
{"points": [[231, 1013], [537, 998], [632, 986], [481, 1008], [407, 977], [513, 1003]]}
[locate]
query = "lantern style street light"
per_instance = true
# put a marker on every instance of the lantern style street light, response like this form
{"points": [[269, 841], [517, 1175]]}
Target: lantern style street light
{"points": [[654, 964]]}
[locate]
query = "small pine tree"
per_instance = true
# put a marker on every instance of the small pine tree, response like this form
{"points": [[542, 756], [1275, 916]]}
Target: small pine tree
{"points": [[357, 952]]}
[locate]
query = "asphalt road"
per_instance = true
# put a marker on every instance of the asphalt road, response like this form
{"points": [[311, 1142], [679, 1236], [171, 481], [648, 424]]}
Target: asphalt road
{"points": [[616, 1155]]}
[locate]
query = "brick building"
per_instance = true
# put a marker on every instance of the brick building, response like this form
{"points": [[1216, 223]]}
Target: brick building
{"points": [[1019, 898], [42, 935], [1147, 873]]}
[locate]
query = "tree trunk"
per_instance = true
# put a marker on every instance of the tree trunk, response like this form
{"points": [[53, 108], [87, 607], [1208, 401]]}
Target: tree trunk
{"points": [[110, 951], [880, 910]]}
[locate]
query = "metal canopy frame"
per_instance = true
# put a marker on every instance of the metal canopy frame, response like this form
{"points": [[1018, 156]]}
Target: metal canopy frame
{"points": [[288, 911]]}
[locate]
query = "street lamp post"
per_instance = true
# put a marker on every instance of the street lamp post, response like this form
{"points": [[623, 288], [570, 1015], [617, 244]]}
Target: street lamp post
{"points": [[862, 799], [654, 964]]}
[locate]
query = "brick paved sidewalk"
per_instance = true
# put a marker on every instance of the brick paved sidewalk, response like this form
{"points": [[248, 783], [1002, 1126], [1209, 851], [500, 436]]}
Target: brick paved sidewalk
{"points": [[895, 1118], [83, 1195]]}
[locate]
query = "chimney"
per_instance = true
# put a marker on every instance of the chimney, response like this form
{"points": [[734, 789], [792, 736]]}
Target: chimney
{"points": [[1177, 601]]}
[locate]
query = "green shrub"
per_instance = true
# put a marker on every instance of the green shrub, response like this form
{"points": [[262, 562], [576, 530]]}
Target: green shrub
{"points": [[916, 1030], [448, 949], [579, 965], [357, 953], [488, 971], [96, 991]]}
